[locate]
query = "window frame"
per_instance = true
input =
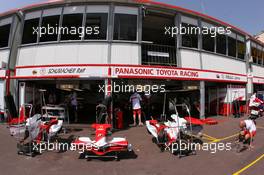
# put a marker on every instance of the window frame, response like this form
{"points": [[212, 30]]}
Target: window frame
{"points": [[245, 47], [66, 11], [31, 43], [57, 35], [225, 46], [259, 55], [125, 10], [8, 21], [228, 46], [263, 57], [58, 13], [210, 26], [23, 26], [253, 46], [107, 27], [190, 36], [72, 40], [193, 21], [125, 40]]}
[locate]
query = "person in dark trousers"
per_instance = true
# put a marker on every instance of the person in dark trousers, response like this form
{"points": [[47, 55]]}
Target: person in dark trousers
{"points": [[102, 113], [236, 108], [74, 106]]}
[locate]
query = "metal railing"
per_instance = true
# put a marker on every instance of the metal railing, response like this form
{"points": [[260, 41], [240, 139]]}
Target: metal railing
{"points": [[154, 54]]}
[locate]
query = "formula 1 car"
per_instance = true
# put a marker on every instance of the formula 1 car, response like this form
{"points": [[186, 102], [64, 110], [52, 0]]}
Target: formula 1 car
{"points": [[36, 132], [101, 146], [17, 124], [173, 135], [256, 107]]}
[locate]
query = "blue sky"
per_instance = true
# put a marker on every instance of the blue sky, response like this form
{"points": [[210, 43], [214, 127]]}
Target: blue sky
{"points": [[245, 14]]}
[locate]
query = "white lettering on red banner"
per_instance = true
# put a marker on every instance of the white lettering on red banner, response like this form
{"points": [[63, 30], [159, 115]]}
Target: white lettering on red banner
{"points": [[174, 73], [126, 72]]}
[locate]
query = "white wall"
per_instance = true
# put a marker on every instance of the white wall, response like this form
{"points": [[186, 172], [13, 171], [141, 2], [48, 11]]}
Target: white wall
{"points": [[207, 61], [125, 53], [258, 71], [78, 53], [4, 54], [70, 53], [2, 95], [190, 59], [221, 63]]}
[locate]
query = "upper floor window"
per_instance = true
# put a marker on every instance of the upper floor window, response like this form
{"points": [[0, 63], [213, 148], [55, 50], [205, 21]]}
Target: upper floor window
{"points": [[208, 40], [241, 47], [31, 28], [4, 35], [153, 25], [263, 58], [96, 22], [125, 23], [254, 53], [29, 36], [50, 23], [190, 36], [125, 27], [259, 55], [71, 28], [96, 26], [221, 44], [232, 46]]}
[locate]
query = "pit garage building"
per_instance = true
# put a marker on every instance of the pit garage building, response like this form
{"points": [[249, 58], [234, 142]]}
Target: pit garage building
{"points": [[128, 42]]}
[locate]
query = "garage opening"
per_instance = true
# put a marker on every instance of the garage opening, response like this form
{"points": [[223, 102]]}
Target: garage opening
{"points": [[74, 101], [156, 96]]}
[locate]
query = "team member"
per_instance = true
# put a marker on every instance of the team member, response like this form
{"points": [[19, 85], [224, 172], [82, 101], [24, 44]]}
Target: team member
{"points": [[135, 99], [74, 106], [248, 131]]}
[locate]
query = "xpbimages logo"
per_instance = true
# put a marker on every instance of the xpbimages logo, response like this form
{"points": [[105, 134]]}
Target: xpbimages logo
{"points": [[121, 88], [51, 30], [56, 146], [191, 146], [173, 31]]}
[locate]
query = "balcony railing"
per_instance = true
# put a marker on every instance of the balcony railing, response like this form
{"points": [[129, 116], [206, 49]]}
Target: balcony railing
{"points": [[154, 54]]}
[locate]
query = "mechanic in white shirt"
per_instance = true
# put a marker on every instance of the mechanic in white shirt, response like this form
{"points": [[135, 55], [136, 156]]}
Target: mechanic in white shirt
{"points": [[135, 99], [248, 130]]}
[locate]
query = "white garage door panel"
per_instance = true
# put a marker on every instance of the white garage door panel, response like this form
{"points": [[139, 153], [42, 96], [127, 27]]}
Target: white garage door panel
{"points": [[190, 59], [26, 56], [125, 54], [45, 55], [218, 63], [258, 71], [93, 53], [4, 54], [66, 54], [2, 91]]}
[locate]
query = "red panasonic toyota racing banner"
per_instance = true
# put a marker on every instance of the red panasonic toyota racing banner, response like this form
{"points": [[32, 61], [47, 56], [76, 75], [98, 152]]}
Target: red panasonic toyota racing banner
{"points": [[116, 71], [175, 73]]}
